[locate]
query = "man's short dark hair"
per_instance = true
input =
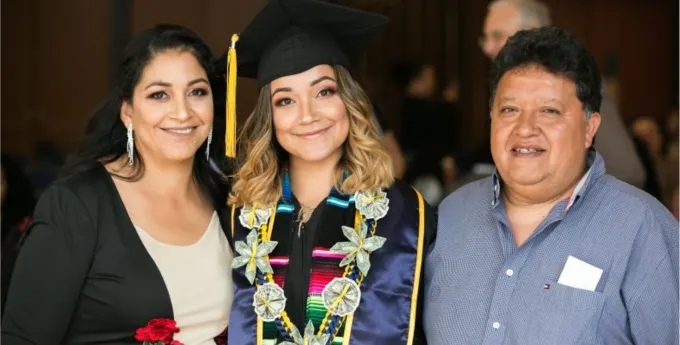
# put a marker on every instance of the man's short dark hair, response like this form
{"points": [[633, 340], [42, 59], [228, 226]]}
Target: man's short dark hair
{"points": [[556, 51]]}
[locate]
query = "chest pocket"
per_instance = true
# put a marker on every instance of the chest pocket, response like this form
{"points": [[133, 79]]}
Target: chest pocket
{"points": [[556, 314]]}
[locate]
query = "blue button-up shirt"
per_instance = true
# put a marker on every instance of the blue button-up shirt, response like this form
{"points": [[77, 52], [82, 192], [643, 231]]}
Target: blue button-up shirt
{"points": [[480, 288]]}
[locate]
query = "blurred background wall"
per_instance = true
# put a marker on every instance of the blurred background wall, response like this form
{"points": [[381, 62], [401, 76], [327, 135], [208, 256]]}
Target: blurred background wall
{"points": [[58, 54]]}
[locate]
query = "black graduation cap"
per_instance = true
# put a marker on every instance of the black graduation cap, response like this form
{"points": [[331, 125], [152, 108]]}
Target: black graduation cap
{"points": [[291, 36]]}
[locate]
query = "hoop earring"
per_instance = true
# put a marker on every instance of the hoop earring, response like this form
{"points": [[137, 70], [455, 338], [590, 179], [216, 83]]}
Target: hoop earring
{"points": [[207, 146], [130, 145]]}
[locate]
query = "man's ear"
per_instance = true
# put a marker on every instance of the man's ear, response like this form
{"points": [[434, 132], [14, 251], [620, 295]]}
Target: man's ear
{"points": [[592, 124]]}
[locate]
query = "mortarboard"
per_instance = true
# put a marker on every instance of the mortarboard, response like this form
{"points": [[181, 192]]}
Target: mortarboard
{"points": [[291, 36]]}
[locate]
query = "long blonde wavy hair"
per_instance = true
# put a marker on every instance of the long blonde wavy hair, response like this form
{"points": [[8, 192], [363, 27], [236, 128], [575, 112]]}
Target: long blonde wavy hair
{"points": [[365, 164]]}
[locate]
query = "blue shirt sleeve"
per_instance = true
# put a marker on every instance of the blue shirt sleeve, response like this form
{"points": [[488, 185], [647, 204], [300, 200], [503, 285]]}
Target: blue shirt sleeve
{"points": [[650, 288]]}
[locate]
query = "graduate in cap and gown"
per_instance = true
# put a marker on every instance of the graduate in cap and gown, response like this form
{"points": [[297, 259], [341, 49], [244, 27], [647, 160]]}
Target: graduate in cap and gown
{"points": [[328, 247]]}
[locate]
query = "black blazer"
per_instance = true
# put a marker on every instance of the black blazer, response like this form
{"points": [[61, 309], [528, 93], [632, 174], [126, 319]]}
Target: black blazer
{"points": [[83, 276]]}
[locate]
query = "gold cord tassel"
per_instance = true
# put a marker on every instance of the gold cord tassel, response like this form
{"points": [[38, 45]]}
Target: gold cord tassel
{"points": [[230, 134]]}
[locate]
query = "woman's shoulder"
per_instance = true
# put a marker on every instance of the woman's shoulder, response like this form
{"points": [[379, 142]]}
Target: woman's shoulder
{"points": [[86, 186], [411, 199], [70, 205], [403, 191]]}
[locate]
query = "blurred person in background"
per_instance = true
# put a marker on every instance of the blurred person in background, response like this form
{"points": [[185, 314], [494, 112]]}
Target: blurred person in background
{"points": [[18, 201], [389, 139], [130, 241], [647, 129], [662, 162], [504, 18], [672, 159], [44, 164], [387, 133], [427, 127], [652, 183]]}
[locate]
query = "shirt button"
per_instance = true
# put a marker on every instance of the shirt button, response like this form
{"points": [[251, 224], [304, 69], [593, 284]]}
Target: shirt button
{"points": [[496, 325], [509, 273]]}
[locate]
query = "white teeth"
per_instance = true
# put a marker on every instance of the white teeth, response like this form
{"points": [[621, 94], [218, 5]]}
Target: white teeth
{"points": [[525, 150], [181, 131]]}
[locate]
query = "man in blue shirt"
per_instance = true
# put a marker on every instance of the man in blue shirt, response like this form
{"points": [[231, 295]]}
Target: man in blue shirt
{"points": [[550, 249]]}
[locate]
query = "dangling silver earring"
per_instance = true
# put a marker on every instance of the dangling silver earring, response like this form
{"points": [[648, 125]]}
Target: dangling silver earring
{"points": [[130, 145], [207, 146]]}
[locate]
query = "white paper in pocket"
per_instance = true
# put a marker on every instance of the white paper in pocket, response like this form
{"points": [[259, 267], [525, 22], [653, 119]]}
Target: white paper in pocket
{"points": [[580, 274]]}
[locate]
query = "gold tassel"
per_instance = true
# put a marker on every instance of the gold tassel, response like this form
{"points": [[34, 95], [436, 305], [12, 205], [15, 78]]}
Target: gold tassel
{"points": [[230, 134]]}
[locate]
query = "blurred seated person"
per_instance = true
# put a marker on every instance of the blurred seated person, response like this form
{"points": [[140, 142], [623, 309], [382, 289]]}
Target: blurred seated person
{"points": [[672, 132], [652, 184], [649, 133], [391, 144], [43, 167], [424, 119], [427, 122], [18, 201], [671, 152]]}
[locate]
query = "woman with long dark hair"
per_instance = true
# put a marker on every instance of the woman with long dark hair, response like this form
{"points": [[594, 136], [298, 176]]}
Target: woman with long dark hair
{"points": [[128, 247]]}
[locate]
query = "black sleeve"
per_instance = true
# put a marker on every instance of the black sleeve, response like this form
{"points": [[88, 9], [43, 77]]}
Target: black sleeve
{"points": [[50, 271], [430, 235]]}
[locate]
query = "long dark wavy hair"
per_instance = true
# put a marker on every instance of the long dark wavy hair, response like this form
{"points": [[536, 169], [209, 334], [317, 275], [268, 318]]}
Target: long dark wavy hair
{"points": [[106, 136]]}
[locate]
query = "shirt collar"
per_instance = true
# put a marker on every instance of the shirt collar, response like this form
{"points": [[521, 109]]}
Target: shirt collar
{"points": [[596, 168]]}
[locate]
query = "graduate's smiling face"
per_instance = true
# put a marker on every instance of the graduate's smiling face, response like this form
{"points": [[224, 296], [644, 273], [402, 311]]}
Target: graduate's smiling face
{"points": [[171, 109], [310, 119]]}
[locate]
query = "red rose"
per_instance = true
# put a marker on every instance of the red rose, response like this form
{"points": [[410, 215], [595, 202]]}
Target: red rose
{"points": [[142, 334], [175, 342], [170, 325], [158, 330], [162, 335]]}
